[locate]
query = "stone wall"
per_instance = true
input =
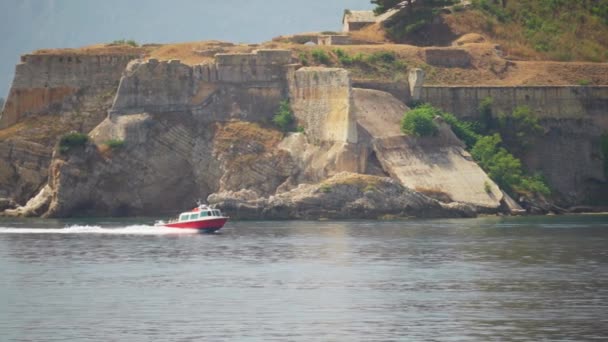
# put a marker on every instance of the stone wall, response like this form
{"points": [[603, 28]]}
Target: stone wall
{"points": [[546, 101], [321, 99], [44, 81], [333, 40], [171, 86], [260, 66], [447, 57], [573, 117]]}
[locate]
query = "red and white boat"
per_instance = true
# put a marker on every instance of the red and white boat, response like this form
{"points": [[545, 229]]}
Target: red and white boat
{"points": [[203, 218]]}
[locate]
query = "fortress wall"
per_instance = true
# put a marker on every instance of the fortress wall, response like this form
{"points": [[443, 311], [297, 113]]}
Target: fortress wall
{"points": [[321, 99], [42, 82], [546, 101], [400, 90], [574, 117], [248, 85], [49, 71], [260, 66]]}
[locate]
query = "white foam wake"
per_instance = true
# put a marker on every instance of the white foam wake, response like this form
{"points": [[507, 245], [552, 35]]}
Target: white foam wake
{"points": [[78, 229]]}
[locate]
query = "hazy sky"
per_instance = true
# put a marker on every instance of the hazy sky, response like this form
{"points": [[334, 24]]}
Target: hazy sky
{"points": [[27, 25]]}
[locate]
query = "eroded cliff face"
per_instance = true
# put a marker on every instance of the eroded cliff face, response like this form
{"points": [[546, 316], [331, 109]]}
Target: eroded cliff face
{"points": [[185, 133], [189, 132], [51, 94], [202, 131]]}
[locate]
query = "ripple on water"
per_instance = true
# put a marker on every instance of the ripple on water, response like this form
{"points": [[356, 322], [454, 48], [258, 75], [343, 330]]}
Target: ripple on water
{"points": [[469, 280]]}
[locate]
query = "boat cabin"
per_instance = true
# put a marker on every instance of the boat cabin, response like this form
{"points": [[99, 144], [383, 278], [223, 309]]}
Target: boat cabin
{"points": [[204, 213]]}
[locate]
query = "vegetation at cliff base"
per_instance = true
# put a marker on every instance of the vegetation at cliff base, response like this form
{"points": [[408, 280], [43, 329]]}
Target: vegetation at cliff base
{"points": [[72, 140], [503, 168], [1, 103], [487, 150], [284, 118]]}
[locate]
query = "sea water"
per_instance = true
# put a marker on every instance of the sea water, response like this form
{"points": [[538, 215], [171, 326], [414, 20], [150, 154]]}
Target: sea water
{"points": [[506, 279]]}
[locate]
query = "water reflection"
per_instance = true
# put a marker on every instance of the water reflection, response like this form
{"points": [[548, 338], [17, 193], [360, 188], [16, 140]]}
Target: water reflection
{"points": [[482, 279]]}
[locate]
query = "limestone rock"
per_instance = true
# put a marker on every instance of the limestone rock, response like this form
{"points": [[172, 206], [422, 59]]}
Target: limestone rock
{"points": [[36, 206], [343, 196], [438, 166]]}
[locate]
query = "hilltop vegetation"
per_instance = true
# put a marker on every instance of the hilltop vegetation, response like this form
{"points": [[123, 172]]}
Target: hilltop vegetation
{"points": [[558, 30]]}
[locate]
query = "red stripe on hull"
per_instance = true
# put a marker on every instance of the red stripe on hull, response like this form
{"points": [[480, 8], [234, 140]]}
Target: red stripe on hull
{"points": [[213, 224]]}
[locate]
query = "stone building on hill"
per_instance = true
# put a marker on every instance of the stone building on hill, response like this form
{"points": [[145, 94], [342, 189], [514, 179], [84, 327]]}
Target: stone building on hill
{"points": [[357, 20]]}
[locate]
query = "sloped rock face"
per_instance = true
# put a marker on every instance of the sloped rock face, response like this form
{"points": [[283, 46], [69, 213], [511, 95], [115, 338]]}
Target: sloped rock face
{"points": [[438, 166], [166, 164], [50, 96], [343, 196]]}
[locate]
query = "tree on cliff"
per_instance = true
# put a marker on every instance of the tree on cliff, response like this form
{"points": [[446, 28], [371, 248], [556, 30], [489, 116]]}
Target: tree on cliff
{"points": [[411, 17], [385, 5], [1, 103]]}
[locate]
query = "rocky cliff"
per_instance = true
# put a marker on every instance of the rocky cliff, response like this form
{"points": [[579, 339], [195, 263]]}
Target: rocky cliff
{"points": [[53, 92], [190, 132], [163, 133]]}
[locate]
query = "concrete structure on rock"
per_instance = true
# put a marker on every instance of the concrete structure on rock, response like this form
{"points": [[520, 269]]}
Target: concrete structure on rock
{"points": [[357, 20], [334, 39]]}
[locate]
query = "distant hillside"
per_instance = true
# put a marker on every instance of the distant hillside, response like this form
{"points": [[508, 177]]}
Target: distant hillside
{"points": [[559, 30]]}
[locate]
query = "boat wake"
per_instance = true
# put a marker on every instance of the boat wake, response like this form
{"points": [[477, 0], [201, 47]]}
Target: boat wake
{"points": [[78, 229]]}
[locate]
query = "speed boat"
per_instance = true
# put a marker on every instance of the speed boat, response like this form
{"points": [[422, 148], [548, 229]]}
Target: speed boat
{"points": [[202, 217]]}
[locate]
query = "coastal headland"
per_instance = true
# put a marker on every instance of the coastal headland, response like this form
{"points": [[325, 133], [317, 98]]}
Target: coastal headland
{"points": [[302, 127]]}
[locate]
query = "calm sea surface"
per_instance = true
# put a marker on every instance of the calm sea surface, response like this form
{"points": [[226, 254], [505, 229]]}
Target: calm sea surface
{"points": [[503, 279]]}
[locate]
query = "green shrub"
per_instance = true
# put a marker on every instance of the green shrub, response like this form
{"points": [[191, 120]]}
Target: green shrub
{"points": [[343, 57], [486, 114], [325, 188], [72, 140], [419, 121], [370, 188], [584, 82], [487, 187], [304, 58], [520, 127], [463, 129], [115, 143], [321, 57], [283, 117], [503, 168], [130, 42], [383, 57]]}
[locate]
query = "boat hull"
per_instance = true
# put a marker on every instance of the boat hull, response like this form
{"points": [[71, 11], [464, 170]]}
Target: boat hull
{"points": [[210, 225]]}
